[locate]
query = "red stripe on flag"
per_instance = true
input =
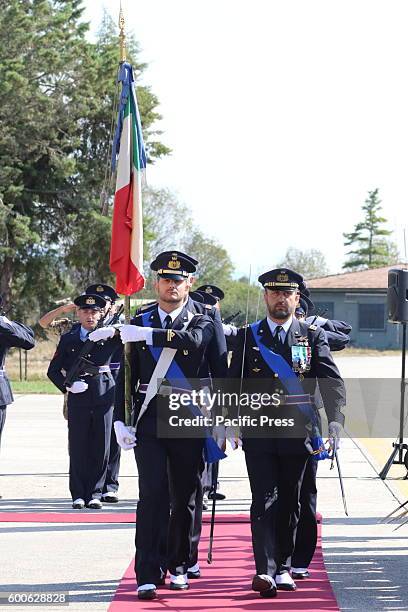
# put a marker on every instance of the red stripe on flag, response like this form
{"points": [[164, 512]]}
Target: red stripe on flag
{"points": [[128, 278]]}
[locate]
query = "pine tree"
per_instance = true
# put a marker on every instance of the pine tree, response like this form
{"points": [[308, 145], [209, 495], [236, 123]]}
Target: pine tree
{"points": [[369, 237]]}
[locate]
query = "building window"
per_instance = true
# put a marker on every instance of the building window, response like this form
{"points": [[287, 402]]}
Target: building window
{"points": [[324, 309], [371, 317]]}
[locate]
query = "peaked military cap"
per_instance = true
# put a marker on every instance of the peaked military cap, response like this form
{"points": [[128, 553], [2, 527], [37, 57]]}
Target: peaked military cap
{"points": [[88, 300], [305, 307], [105, 291], [174, 264], [203, 298], [281, 279], [303, 289], [212, 290], [197, 296]]}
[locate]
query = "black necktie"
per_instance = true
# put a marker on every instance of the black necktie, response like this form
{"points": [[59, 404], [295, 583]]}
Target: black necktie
{"points": [[278, 340], [167, 322]]}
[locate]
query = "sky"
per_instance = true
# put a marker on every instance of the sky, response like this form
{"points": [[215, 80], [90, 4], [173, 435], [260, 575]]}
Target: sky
{"points": [[281, 116]]}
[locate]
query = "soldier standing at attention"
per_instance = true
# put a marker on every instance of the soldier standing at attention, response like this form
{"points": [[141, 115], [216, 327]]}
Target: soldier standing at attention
{"points": [[90, 402], [111, 484]]}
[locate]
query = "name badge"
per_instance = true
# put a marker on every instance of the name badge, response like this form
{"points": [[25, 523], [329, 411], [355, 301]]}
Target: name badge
{"points": [[301, 358]]}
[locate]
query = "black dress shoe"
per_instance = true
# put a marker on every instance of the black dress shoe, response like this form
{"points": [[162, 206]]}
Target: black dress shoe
{"points": [[193, 575], [272, 592], [218, 496], [179, 587], [147, 594], [95, 504], [300, 575], [110, 498], [265, 586]]}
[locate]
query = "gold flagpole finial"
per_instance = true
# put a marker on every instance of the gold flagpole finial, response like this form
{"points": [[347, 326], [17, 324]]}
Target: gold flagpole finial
{"points": [[122, 35]]}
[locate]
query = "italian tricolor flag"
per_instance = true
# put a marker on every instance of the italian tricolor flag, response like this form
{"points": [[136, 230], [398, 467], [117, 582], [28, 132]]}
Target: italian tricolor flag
{"points": [[126, 255]]}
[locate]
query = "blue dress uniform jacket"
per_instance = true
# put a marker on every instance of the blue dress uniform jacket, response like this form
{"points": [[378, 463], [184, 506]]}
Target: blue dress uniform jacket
{"points": [[191, 357], [100, 388], [89, 413], [322, 370], [216, 351], [12, 334]]}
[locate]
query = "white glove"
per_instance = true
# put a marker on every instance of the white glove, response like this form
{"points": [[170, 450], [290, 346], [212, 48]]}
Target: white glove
{"points": [[233, 437], [218, 433], [125, 435], [79, 386], [335, 431], [229, 329], [134, 333], [103, 333]]}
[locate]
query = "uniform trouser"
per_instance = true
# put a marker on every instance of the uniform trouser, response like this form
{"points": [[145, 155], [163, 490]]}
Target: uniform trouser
{"points": [[89, 432], [112, 473], [275, 485], [198, 515], [306, 534], [164, 464], [3, 410]]}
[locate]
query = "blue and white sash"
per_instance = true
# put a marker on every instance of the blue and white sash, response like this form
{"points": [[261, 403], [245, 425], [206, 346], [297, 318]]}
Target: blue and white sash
{"points": [[294, 387], [177, 378]]}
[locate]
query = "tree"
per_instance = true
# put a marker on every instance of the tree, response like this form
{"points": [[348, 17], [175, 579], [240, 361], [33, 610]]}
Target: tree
{"points": [[310, 263], [215, 265], [240, 295], [372, 249], [56, 108]]}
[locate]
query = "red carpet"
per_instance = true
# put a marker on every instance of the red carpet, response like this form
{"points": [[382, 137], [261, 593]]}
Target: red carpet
{"points": [[87, 516], [225, 585]]}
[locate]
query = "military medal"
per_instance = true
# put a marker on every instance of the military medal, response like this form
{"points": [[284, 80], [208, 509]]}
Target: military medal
{"points": [[301, 358]]}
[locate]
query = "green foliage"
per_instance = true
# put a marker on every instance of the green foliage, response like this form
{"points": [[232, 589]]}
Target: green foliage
{"points": [[215, 265], [242, 296], [310, 263], [57, 93], [372, 249]]}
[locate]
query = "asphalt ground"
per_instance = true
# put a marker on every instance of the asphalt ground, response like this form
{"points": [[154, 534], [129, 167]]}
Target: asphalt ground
{"points": [[366, 560]]}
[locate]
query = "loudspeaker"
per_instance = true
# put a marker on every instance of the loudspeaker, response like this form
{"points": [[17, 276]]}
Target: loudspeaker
{"points": [[397, 296]]}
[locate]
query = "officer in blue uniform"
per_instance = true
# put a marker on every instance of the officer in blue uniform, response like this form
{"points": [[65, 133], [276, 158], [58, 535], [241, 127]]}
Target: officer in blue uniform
{"points": [[12, 334], [215, 366], [169, 324], [90, 401], [279, 354], [111, 484]]}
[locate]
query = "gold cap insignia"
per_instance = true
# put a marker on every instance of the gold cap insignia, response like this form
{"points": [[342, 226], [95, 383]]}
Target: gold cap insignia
{"points": [[174, 264], [90, 300], [282, 278], [208, 290], [99, 289]]}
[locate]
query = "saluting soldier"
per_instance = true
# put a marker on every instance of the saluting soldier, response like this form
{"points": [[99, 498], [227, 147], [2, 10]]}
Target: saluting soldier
{"points": [[169, 325], [90, 401], [12, 334], [111, 484], [286, 357], [57, 325]]}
